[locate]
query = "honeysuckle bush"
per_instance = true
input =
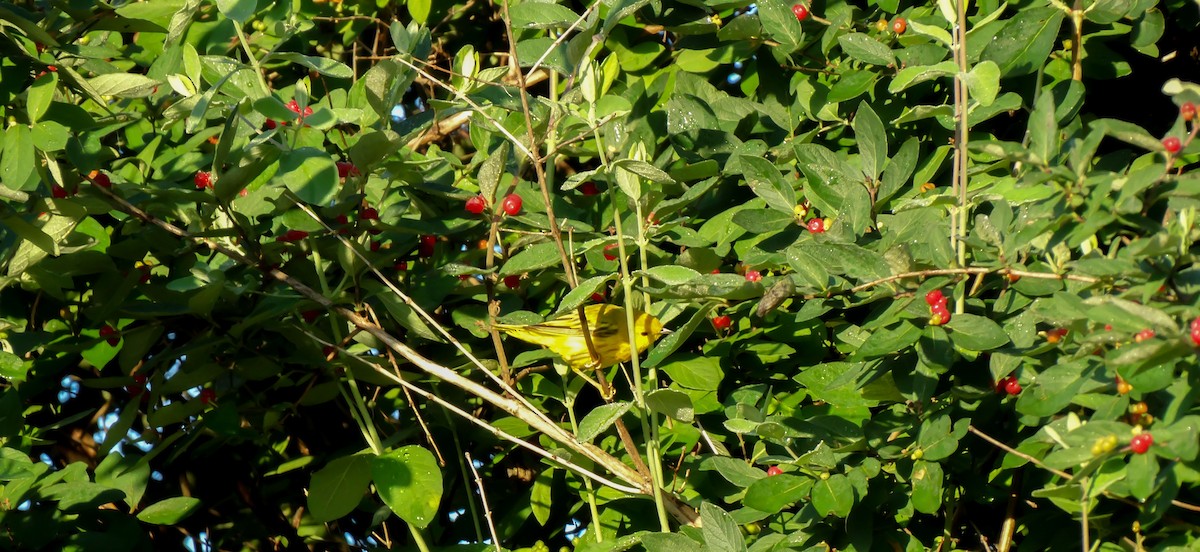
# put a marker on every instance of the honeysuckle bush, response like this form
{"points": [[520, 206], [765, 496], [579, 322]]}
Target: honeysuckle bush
{"points": [[244, 305]]}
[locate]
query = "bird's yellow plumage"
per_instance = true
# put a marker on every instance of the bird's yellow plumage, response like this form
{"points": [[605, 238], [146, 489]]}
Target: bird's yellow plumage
{"points": [[608, 327]]}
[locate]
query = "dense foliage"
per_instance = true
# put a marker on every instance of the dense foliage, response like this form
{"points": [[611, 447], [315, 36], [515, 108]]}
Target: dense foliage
{"points": [[929, 270]]}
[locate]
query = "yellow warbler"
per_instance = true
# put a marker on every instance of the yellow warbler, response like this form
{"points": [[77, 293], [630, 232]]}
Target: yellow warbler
{"points": [[610, 336]]}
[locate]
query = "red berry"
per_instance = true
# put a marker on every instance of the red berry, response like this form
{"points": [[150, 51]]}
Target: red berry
{"points": [[369, 213], [292, 236], [1187, 111], [610, 256], [1002, 383], [138, 387], [476, 205], [269, 124], [773, 471], [207, 396], [1143, 335], [58, 191], [346, 168], [145, 277], [427, 243], [722, 322], [512, 204], [102, 180], [1012, 387], [310, 315], [589, 189], [512, 281], [400, 266], [816, 225], [753, 276], [800, 11], [110, 334], [203, 180], [1141, 443], [375, 245], [934, 297], [1172, 144], [598, 297], [1056, 335], [899, 25]]}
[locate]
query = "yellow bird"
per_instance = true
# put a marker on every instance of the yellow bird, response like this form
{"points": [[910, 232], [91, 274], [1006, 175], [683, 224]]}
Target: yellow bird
{"points": [[608, 327]]}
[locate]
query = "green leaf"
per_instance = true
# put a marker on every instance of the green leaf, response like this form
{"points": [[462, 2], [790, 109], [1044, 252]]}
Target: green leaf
{"points": [[325, 66], [1025, 42], [766, 182], [1128, 133], [695, 372], [17, 165], [124, 85], [541, 15], [763, 221], [773, 494], [938, 440], [419, 10], [1142, 473], [541, 499], [581, 294], [899, 170], [1043, 130], [336, 489], [780, 24], [976, 333], [872, 140], [534, 257], [491, 170], [734, 470], [864, 48], [671, 403], [833, 495], [170, 511], [888, 341], [601, 418], [12, 368], [670, 274], [917, 74], [983, 82], [1053, 389], [410, 483], [927, 486], [39, 96], [309, 173], [720, 531], [937, 33], [672, 341], [237, 10]]}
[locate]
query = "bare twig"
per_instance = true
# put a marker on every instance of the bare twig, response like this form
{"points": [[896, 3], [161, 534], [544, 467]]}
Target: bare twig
{"points": [[487, 511]]}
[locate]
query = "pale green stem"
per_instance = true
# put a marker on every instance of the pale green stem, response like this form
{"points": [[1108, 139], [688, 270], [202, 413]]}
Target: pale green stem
{"points": [[649, 421], [262, 81], [420, 540]]}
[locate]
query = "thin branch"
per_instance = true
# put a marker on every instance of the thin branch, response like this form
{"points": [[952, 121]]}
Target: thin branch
{"points": [[512, 406], [487, 511]]}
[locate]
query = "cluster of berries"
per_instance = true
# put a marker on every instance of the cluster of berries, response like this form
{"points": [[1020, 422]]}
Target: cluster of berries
{"points": [[512, 204], [938, 313]]}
